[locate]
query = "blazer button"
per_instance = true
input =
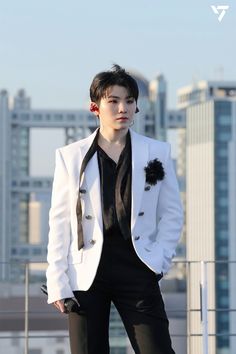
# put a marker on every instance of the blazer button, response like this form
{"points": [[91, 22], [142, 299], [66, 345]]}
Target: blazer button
{"points": [[88, 217], [82, 191], [141, 213], [92, 242], [147, 188], [136, 238]]}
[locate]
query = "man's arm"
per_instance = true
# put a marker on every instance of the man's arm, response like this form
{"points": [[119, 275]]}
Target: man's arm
{"points": [[59, 234], [169, 213]]}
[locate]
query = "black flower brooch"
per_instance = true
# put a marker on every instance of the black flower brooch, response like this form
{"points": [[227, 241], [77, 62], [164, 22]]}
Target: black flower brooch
{"points": [[154, 172]]}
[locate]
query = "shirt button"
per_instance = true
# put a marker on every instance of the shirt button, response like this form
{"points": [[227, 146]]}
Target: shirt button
{"points": [[141, 213], [147, 188], [82, 191], [136, 238], [88, 217], [92, 242]]}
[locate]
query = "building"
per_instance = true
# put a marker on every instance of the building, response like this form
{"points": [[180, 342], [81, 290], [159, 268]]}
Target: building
{"points": [[158, 101], [211, 207], [176, 135]]}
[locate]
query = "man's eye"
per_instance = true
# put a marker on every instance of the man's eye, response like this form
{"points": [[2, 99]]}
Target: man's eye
{"points": [[130, 101], [112, 101]]}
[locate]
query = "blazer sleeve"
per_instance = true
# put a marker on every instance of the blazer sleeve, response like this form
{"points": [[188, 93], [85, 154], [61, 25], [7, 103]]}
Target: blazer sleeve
{"points": [[169, 213], [59, 234]]}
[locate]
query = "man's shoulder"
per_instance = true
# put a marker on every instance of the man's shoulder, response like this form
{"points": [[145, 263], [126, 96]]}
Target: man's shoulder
{"points": [[152, 141], [75, 146], [71, 147]]}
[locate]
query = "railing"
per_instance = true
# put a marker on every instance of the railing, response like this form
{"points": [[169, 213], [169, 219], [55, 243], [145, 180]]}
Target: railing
{"points": [[200, 278]]}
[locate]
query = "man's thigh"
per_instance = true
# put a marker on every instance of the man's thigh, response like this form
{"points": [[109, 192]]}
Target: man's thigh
{"points": [[78, 333], [89, 332], [144, 317]]}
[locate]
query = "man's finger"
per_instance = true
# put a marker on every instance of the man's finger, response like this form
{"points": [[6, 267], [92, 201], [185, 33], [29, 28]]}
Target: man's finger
{"points": [[60, 306]]}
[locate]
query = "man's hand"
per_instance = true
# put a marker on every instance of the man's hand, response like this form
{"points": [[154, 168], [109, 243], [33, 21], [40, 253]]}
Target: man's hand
{"points": [[59, 304]]}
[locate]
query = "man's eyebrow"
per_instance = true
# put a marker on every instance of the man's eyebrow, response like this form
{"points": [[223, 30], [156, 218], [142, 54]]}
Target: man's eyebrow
{"points": [[111, 96]]}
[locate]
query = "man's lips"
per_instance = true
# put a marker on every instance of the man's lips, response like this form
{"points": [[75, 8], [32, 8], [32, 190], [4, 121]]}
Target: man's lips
{"points": [[122, 118]]}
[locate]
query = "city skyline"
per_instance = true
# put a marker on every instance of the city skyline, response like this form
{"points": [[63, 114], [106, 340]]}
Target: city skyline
{"points": [[55, 137]]}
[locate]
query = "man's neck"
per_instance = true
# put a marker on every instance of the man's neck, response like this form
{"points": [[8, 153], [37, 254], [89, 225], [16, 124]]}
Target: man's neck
{"points": [[112, 138]]}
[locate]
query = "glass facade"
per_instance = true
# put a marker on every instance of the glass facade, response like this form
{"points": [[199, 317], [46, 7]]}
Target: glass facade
{"points": [[23, 215], [223, 130], [162, 111], [23, 151]]}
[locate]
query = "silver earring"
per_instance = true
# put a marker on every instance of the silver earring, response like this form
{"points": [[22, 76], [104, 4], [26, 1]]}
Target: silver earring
{"points": [[132, 123]]}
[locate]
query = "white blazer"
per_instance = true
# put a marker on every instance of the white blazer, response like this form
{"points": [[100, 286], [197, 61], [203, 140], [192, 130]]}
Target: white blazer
{"points": [[156, 215]]}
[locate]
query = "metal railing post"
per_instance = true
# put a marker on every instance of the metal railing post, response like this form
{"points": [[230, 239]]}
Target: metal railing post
{"points": [[204, 307], [26, 308], [188, 318]]}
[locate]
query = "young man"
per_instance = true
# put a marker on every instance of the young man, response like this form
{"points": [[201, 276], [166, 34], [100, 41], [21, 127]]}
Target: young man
{"points": [[115, 220]]}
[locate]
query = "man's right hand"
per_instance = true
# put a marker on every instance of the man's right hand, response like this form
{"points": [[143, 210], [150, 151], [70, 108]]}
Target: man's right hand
{"points": [[59, 304]]}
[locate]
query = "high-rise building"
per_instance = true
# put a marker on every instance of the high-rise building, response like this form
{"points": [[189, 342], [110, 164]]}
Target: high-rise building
{"points": [[158, 100], [176, 131], [5, 161], [21, 240], [211, 207]]}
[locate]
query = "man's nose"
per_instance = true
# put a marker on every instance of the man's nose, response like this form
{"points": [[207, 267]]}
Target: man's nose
{"points": [[122, 107]]}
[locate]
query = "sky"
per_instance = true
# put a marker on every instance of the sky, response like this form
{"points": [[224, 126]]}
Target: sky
{"points": [[54, 48]]}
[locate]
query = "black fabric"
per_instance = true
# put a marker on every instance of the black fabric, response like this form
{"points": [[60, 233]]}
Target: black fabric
{"points": [[115, 181], [121, 278]]}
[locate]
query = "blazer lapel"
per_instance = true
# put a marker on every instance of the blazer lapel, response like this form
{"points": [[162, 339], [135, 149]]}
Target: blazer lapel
{"points": [[93, 184], [91, 179], [139, 161]]}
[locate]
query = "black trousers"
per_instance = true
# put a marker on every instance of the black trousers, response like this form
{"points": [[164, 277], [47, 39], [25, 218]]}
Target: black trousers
{"points": [[122, 278]]}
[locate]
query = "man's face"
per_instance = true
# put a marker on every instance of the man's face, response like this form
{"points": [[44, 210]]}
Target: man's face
{"points": [[116, 109]]}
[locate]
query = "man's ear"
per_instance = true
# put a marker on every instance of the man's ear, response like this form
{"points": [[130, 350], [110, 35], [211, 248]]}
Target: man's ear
{"points": [[94, 108]]}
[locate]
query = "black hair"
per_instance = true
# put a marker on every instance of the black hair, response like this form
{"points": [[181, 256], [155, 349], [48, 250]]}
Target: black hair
{"points": [[116, 76]]}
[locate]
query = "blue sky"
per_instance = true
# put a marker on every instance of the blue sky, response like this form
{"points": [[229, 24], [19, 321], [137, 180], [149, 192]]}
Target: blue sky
{"points": [[54, 48]]}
